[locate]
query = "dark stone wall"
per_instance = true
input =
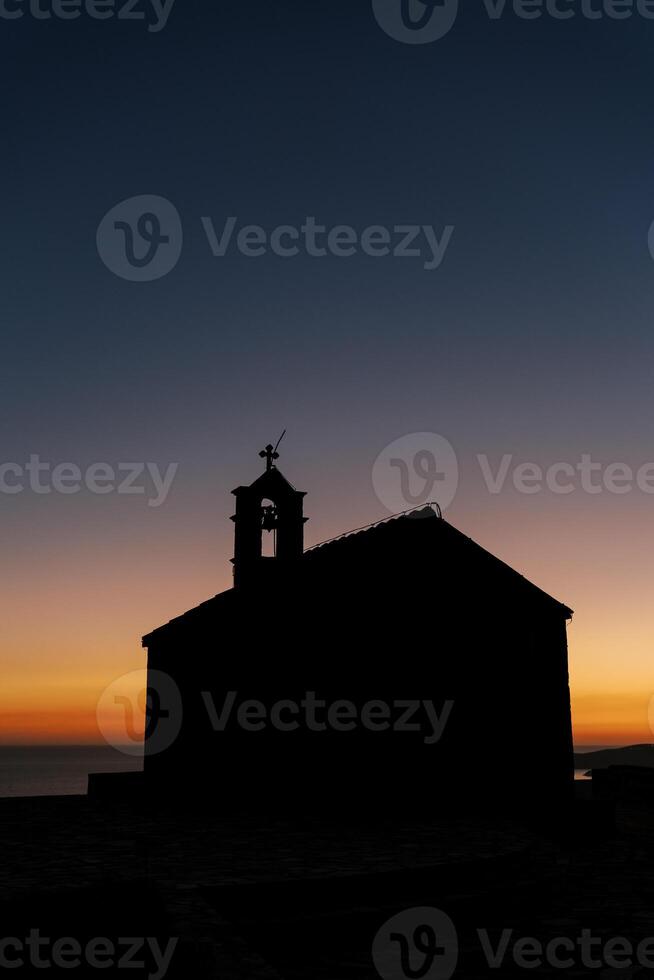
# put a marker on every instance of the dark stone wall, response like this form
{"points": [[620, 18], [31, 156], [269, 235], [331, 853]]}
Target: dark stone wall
{"points": [[392, 627]]}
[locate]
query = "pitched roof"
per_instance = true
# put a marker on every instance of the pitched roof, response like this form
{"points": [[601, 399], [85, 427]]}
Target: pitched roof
{"points": [[270, 481], [423, 527], [427, 524]]}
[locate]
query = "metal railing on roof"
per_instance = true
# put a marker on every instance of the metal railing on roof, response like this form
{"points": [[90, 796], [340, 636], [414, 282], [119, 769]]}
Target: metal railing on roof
{"points": [[385, 520]]}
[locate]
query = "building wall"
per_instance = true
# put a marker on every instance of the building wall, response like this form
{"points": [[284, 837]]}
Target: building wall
{"points": [[384, 636]]}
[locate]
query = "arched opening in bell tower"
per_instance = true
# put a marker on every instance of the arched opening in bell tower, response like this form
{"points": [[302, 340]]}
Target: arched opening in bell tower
{"points": [[268, 528]]}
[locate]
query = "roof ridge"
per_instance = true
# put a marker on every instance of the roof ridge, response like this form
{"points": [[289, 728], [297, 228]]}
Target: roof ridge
{"points": [[430, 505]]}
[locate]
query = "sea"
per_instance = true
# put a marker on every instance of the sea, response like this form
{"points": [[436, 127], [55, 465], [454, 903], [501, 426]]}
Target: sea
{"points": [[62, 770], [58, 770]]}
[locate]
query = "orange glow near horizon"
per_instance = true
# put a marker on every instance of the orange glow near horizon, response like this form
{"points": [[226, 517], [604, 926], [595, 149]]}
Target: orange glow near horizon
{"points": [[75, 615]]}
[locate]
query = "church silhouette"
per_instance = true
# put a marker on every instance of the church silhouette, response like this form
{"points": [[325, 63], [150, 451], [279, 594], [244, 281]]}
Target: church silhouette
{"points": [[400, 667]]}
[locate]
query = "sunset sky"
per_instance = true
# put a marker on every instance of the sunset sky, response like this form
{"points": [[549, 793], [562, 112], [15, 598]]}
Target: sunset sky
{"points": [[534, 338]]}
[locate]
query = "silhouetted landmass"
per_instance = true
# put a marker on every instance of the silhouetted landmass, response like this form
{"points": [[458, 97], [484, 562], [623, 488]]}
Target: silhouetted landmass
{"points": [[628, 755]]}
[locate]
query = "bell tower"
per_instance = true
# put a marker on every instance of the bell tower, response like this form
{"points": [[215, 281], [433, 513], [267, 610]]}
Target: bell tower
{"points": [[281, 516]]}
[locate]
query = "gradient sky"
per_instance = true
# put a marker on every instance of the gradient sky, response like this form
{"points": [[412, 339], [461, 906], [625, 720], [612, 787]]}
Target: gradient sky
{"points": [[535, 139]]}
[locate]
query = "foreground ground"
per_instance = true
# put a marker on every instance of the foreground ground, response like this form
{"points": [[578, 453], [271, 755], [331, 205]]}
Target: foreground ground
{"points": [[263, 900]]}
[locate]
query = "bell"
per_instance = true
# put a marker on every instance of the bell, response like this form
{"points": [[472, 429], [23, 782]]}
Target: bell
{"points": [[269, 518]]}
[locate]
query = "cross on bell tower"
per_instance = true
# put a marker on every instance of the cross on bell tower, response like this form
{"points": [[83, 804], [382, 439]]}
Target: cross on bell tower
{"points": [[270, 455], [283, 515]]}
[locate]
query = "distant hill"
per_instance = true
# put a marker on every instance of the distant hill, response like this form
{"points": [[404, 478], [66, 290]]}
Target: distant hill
{"points": [[629, 755]]}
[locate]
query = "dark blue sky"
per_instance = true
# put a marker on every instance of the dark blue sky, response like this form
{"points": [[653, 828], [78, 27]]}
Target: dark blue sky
{"points": [[533, 138]]}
